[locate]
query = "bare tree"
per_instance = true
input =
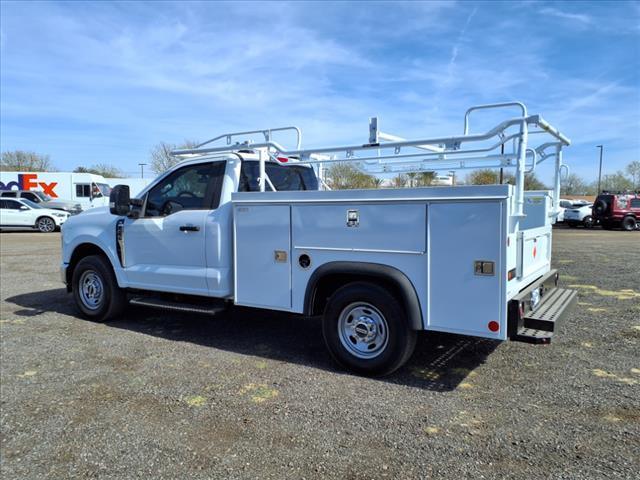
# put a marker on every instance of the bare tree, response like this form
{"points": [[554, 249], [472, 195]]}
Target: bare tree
{"points": [[574, 185], [108, 171], [616, 182], [20, 160], [161, 158], [633, 169], [399, 181]]}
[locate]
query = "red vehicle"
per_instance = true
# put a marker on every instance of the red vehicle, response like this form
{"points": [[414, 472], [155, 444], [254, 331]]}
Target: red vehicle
{"points": [[617, 210]]}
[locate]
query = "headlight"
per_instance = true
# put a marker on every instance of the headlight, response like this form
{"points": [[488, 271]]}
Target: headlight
{"points": [[61, 215]]}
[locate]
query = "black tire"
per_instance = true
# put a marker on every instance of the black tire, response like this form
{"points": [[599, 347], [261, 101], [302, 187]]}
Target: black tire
{"points": [[45, 224], [600, 207], [96, 269], [588, 222], [628, 224], [386, 357]]}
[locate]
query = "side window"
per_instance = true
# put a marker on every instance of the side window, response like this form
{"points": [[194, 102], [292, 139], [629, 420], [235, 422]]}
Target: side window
{"points": [[3, 204], [284, 178], [635, 203], [10, 194], [31, 196], [83, 190], [12, 205], [194, 187]]}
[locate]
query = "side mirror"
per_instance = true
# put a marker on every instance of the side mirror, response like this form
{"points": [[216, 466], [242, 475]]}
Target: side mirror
{"points": [[24, 207], [119, 200]]}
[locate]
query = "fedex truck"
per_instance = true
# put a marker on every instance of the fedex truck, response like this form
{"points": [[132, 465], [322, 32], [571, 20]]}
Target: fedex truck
{"points": [[87, 189]]}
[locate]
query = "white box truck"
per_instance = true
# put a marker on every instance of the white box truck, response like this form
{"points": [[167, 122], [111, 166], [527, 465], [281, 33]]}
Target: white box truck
{"points": [[244, 223], [87, 189]]}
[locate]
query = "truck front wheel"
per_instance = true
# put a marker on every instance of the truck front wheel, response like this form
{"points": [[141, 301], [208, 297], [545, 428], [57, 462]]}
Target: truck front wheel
{"points": [[366, 329], [95, 289]]}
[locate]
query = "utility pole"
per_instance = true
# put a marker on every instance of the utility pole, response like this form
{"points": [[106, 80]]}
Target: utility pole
{"points": [[600, 170], [142, 169]]}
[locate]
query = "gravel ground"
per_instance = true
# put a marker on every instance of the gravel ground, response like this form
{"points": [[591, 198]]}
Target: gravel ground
{"points": [[254, 394]]}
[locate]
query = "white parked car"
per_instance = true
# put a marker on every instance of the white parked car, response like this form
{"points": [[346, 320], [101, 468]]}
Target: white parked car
{"points": [[563, 205], [579, 215], [23, 213]]}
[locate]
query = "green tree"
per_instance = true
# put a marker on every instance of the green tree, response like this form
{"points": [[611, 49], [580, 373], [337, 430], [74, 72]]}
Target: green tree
{"points": [[108, 171], [485, 176], [19, 160], [343, 176], [161, 159], [491, 177], [633, 170]]}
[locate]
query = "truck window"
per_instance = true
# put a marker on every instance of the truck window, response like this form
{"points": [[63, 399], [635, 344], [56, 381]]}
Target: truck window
{"points": [[10, 194], [83, 190], [194, 187], [286, 178], [30, 196]]}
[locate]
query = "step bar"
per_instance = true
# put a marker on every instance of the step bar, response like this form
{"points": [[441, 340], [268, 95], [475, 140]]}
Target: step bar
{"points": [[538, 323], [173, 306]]}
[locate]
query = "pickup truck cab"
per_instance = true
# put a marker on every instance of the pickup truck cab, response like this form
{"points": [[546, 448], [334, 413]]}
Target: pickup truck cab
{"points": [[246, 224]]}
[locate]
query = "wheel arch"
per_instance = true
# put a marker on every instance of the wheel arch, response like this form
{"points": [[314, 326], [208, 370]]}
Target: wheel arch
{"points": [[79, 252], [330, 276]]}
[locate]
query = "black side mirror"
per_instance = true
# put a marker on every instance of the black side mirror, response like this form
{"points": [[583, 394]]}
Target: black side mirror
{"points": [[119, 200]]}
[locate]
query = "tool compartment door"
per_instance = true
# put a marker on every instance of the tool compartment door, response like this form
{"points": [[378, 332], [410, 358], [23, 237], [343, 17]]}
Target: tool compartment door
{"points": [[462, 300], [262, 256]]}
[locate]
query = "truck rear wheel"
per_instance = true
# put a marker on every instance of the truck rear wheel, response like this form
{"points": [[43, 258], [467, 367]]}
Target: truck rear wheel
{"points": [[629, 224], [95, 289], [366, 329]]}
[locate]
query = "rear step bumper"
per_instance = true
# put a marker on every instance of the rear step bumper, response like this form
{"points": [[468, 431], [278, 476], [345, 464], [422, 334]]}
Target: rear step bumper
{"points": [[539, 324]]}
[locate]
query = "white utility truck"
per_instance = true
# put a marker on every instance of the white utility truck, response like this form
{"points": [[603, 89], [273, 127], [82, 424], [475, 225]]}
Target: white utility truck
{"points": [[246, 224]]}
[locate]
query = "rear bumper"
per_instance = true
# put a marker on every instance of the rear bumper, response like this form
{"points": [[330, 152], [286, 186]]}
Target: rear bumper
{"points": [[537, 324]]}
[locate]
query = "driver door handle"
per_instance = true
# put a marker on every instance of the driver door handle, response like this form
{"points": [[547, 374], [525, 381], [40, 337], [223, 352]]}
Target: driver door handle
{"points": [[189, 228]]}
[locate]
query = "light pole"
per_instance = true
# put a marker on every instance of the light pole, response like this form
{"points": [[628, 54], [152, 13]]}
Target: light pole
{"points": [[600, 170], [142, 169]]}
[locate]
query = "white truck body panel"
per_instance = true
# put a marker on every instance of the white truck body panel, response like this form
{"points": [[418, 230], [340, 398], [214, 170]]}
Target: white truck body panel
{"points": [[432, 235]]}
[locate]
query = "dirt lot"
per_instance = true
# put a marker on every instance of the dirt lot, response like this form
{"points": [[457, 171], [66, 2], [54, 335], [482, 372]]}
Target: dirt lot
{"points": [[255, 395]]}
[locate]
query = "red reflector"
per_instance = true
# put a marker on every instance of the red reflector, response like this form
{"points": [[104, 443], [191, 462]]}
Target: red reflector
{"points": [[494, 326], [283, 159]]}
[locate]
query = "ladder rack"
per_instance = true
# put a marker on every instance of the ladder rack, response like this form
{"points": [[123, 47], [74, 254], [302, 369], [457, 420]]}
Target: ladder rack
{"points": [[386, 153]]}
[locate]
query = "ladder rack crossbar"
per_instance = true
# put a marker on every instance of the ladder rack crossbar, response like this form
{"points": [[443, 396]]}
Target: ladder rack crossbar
{"points": [[432, 151]]}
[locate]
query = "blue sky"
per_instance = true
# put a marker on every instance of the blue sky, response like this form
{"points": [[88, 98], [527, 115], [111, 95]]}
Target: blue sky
{"points": [[104, 82]]}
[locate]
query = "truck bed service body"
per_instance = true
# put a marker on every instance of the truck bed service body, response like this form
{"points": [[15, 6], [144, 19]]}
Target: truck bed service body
{"points": [[248, 224]]}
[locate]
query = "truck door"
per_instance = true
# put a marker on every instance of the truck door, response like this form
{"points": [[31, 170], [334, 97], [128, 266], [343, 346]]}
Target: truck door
{"points": [[165, 247]]}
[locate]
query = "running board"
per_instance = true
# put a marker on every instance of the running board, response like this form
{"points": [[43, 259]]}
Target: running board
{"points": [[176, 306]]}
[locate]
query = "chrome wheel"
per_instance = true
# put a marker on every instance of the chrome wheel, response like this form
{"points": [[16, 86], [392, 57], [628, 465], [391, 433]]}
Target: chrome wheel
{"points": [[46, 225], [91, 289], [363, 330]]}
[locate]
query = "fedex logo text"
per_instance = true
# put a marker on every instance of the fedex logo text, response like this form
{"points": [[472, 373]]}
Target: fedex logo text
{"points": [[28, 181]]}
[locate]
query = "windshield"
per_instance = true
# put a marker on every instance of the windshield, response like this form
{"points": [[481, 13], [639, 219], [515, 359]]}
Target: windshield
{"points": [[104, 189], [30, 203], [284, 178], [43, 197]]}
